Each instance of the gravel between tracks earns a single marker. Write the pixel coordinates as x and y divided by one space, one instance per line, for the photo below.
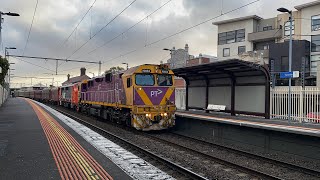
194 161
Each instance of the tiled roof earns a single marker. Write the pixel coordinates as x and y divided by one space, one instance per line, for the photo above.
76 79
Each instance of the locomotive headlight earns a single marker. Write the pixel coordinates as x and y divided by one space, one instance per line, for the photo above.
165 114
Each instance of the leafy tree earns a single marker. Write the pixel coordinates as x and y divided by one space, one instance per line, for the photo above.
114 69
4 64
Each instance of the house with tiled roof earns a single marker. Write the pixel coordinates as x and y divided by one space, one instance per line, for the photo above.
76 79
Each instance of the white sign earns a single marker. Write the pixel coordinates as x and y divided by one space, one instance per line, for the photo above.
155 93
295 74
0 69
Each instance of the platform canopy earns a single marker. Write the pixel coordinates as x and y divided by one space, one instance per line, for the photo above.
242 87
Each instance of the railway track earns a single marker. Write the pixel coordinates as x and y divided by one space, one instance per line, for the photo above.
291 166
184 172
249 172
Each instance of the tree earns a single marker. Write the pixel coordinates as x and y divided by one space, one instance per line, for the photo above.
114 69
4 64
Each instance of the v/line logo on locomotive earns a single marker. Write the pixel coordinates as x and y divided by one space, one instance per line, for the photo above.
142 97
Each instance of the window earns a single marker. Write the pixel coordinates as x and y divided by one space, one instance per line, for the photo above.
231 38
128 82
164 80
144 80
222 38
240 35
226 52
315 23
267 28
108 77
315 43
284 63
99 79
287 28
241 49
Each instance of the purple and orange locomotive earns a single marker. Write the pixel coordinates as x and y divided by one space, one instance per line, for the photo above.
142 97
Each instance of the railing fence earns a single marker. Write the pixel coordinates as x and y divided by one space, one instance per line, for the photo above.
305 105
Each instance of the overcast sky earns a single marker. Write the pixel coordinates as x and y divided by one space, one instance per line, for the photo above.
55 20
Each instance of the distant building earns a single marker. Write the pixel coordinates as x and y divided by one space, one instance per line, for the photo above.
38 86
76 79
178 57
249 38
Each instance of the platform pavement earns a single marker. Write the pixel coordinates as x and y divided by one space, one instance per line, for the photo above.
24 148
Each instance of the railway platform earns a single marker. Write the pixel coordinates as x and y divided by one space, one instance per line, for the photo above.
37 142
297 141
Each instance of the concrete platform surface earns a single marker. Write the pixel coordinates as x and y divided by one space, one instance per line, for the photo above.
33 145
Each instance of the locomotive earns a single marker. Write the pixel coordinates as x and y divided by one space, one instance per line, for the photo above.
142 97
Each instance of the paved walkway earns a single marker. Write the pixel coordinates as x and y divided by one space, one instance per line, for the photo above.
34 145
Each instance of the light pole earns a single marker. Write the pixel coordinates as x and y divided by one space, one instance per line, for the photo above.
6 53
284 10
171 57
5 14
127 65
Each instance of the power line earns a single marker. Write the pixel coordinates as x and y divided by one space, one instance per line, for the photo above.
63 42
181 31
120 34
34 64
101 29
34 13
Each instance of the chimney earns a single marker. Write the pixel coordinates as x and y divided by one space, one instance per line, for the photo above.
82 71
200 58
68 77
186 47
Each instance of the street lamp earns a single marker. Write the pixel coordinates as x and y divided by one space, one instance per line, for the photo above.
5 14
284 10
171 57
127 65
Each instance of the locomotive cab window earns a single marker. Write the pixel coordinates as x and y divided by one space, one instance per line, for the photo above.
108 77
128 82
144 79
164 80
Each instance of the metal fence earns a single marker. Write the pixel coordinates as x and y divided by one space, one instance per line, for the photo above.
305 105
3 95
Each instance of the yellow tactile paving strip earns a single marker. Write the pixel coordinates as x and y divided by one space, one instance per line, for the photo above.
72 160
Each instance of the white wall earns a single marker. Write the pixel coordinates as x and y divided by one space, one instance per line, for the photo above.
248 25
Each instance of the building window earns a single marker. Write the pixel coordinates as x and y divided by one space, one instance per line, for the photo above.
315 23
226 52
241 34
231 37
267 28
315 43
241 49
222 38
284 63
287 28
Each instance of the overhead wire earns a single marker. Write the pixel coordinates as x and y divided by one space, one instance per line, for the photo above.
181 31
101 29
63 42
167 37
66 40
34 64
125 31
34 13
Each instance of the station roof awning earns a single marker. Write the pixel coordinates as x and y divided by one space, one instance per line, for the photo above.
234 67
